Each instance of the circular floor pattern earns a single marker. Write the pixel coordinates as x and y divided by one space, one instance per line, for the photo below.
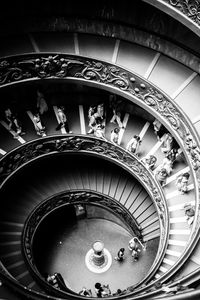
93 267
66 254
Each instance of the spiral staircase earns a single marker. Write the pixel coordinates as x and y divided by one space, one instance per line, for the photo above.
81 64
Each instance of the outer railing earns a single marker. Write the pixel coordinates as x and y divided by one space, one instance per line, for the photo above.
186 11
93 72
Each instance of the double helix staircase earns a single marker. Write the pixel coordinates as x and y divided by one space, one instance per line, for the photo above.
176 80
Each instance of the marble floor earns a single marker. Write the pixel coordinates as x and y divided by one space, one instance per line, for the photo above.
65 253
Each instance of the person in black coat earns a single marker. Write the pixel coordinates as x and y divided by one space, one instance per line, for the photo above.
98 289
120 254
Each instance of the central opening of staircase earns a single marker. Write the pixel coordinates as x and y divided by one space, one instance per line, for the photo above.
81 240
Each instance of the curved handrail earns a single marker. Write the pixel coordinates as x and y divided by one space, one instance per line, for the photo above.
131 86
49 205
185 11
114 78
32 150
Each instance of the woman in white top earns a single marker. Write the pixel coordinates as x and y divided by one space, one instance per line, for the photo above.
182 182
167 144
114 137
149 161
40 129
167 164
99 131
62 119
133 144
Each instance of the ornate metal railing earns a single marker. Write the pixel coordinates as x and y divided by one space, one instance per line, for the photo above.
71 197
187 11
77 197
87 145
50 145
113 78
105 75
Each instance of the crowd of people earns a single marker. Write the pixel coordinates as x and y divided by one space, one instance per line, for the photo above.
37 113
97 125
171 150
134 246
101 291
97 120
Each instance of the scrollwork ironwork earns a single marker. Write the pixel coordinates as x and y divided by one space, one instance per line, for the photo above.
155 99
41 67
63 66
67 198
190 8
51 145
66 66
87 145
78 197
194 151
103 73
